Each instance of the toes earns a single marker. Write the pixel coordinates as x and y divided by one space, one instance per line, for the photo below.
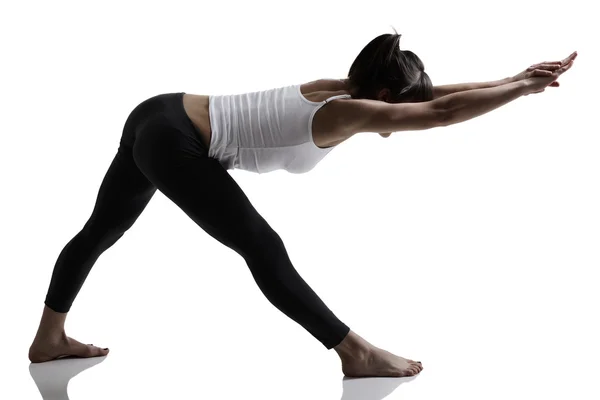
410 371
98 352
414 369
83 350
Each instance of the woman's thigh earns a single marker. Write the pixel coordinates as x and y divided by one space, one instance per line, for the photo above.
199 185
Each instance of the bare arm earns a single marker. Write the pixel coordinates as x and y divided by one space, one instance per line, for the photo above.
444 90
462 106
376 116
452 103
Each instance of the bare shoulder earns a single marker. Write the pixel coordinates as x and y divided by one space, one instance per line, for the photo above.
324 85
342 118
347 117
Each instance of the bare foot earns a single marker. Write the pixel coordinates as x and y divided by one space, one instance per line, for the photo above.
42 351
378 362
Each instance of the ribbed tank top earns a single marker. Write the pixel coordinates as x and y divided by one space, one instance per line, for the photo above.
266 130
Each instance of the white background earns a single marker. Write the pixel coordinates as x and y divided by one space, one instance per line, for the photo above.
473 248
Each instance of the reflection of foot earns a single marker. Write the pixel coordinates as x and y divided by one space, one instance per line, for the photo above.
378 362
52 378
371 388
42 351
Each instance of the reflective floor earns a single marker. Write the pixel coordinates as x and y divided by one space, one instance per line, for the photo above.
187 321
53 378
456 366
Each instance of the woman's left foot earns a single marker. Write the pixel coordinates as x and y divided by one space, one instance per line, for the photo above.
42 351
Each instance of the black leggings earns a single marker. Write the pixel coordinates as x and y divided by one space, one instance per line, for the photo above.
160 148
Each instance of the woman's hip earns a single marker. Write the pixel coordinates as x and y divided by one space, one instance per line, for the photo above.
163 111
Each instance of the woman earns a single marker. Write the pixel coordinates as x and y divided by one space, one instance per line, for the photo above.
183 144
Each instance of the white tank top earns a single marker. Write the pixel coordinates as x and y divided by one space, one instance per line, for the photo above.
266 130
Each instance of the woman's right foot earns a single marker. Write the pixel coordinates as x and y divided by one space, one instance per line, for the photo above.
361 359
378 362
47 350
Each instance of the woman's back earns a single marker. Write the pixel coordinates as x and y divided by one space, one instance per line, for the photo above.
280 128
196 106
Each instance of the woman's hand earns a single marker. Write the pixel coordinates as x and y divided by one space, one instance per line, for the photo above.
545 68
538 82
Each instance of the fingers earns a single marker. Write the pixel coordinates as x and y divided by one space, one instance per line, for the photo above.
565 67
542 72
553 65
546 65
569 58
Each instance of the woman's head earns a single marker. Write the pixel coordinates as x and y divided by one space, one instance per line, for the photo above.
382 71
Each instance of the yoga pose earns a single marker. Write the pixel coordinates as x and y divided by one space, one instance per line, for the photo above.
183 145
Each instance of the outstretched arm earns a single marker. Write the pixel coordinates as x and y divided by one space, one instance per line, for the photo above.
444 90
363 115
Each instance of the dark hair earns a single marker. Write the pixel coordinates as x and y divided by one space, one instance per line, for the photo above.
382 65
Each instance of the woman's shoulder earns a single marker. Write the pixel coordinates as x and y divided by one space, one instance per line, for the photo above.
324 85
323 89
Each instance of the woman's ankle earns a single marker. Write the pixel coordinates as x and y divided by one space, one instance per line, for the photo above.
352 347
52 325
